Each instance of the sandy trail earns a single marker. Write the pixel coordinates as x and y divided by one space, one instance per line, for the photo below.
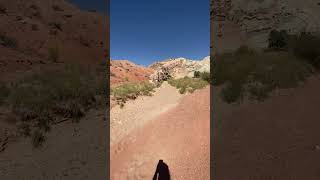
136 113
180 136
71 152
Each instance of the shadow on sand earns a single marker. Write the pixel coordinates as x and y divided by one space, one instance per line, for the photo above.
162 171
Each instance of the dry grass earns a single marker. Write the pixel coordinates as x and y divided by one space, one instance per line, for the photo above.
131 90
246 73
41 99
188 84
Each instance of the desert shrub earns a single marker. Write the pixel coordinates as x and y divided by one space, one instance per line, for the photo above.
131 90
259 91
233 67
278 39
203 75
232 92
4 93
307 46
256 74
7 41
188 84
196 74
304 45
43 97
280 70
53 54
73 110
37 138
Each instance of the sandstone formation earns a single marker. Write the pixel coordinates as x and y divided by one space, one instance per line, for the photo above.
238 22
126 71
178 68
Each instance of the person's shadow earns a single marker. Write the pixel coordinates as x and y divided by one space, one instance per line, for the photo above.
162 171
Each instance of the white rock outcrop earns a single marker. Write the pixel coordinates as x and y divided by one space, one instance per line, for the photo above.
248 22
178 68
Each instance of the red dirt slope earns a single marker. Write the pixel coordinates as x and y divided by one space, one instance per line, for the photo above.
180 136
124 70
30 28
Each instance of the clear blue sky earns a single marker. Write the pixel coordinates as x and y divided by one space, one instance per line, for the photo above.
144 31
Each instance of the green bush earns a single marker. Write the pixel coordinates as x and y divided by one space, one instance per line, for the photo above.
232 93
278 39
42 97
256 74
304 45
131 90
7 41
203 75
234 67
188 84
196 74
307 46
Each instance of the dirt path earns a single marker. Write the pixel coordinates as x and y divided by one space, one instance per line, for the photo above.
136 113
180 136
71 152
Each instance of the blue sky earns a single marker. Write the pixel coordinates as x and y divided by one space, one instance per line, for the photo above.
144 31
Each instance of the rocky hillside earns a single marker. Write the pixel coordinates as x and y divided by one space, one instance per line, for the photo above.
237 22
178 68
124 70
48 32
39 39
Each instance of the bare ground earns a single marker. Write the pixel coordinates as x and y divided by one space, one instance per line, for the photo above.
136 113
179 136
275 139
167 126
71 152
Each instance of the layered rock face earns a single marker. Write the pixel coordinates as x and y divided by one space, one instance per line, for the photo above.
123 70
239 22
178 68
